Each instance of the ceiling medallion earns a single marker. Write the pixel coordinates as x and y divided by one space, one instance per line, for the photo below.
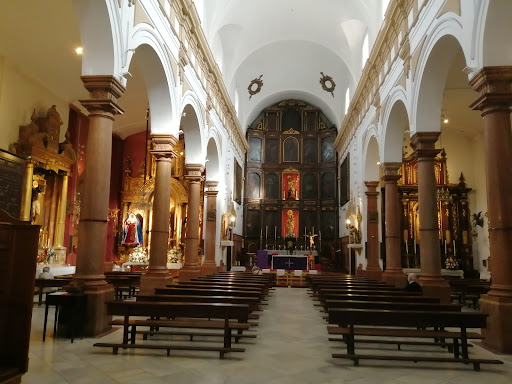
328 83
255 86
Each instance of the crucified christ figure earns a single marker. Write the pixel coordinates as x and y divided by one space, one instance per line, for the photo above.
311 240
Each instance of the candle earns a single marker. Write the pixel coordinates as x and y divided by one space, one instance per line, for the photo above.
275 233
406 248
304 231
319 235
445 248
454 252
414 245
266 231
313 231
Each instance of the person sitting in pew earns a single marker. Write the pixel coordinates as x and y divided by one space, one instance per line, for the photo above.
412 283
45 274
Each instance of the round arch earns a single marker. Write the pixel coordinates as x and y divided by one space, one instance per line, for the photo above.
495 24
192 123
371 155
212 160
100 35
431 74
396 123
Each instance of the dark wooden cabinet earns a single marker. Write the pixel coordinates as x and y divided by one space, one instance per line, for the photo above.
18 251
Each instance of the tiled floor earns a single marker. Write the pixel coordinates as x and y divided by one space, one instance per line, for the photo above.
291 347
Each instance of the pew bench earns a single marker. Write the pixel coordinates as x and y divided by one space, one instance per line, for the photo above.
352 318
196 314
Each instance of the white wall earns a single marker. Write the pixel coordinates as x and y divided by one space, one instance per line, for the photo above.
19 96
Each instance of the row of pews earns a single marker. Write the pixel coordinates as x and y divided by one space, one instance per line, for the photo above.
224 307
373 312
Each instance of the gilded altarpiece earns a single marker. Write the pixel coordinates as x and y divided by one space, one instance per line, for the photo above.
137 204
453 215
290 179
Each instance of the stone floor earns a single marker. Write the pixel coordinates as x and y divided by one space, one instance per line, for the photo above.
291 347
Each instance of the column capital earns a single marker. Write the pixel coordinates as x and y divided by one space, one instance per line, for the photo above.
372 188
391 172
103 94
493 86
194 172
212 185
163 146
424 144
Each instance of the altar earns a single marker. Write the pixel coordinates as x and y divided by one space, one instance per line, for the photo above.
290 262
281 259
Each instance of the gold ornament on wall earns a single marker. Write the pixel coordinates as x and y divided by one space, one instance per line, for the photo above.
255 86
328 83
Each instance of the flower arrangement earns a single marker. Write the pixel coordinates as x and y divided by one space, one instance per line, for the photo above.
451 263
47 256
173 255
139 255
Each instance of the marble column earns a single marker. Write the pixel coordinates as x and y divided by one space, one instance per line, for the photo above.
210 234
393 273
60 225
424 145
158 275
495 100
92 229
26 191
191 269
373 270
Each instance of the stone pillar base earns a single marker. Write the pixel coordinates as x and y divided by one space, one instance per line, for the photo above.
436 287
189 273
209 269
395 277
498 334
149 282
96 318
374 273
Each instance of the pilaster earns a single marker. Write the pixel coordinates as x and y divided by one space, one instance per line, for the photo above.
373 270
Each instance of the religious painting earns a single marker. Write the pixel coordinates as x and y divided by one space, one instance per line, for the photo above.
271 151
290 223
327 224
271 186
345 181
237 187
309 186
328 185
290 185
292 119
328 149
253 185
252 227
291 149
255 149
310 151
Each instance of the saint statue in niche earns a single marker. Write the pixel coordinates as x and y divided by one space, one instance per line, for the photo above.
290 224
132 230
292 191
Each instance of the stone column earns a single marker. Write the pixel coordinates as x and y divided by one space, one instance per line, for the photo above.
373 270
60 224
194 176
53 212
431 280
92 229
495 100
26 191
210 235
158 275
393 273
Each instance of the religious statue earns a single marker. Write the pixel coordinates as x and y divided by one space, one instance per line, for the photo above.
290 224
132 231
354 236
291 188
311 238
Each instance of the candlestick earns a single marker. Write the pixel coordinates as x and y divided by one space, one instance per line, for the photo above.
319 235
414 245
313 231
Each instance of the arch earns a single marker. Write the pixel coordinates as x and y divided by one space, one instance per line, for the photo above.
371 155
159 78
431 74
396 122
213 161
192 123
100 35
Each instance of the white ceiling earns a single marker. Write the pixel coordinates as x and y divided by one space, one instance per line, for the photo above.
289 42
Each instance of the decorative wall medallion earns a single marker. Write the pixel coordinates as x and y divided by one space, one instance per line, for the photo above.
328 83
255 86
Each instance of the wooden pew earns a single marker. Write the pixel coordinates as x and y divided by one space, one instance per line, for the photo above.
352 318
395 299
177 290
156 310
234 284
57 282
210 287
